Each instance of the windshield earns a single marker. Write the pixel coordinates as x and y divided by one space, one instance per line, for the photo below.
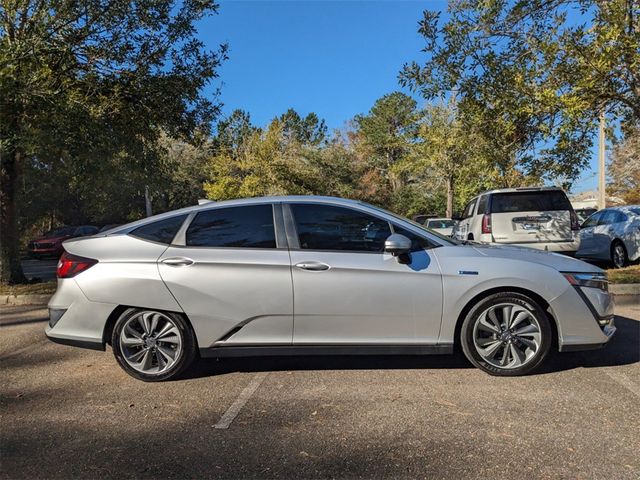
446 240
443 223
60 232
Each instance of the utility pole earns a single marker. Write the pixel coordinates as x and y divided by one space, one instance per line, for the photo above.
147 201
601 166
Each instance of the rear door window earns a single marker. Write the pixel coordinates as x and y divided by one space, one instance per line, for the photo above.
161 231
540 201
482 205
468 210
248 226
327 227
592 221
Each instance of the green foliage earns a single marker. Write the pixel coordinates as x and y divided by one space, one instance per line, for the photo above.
86 88
537 73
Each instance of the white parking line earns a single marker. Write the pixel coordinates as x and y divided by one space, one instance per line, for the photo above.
625 381
233 411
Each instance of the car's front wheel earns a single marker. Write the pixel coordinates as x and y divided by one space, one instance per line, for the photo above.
506 334
151 345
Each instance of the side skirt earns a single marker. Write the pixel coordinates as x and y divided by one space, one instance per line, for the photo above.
292 350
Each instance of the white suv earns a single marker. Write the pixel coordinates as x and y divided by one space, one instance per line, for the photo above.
539 217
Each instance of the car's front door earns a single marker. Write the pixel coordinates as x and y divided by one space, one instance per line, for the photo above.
231 277
347 290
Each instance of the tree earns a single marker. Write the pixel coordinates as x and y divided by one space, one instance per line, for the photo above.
309 130
106 74
624 168
387 133
538 72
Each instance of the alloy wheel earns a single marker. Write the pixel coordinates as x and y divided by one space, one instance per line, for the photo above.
507 335
151 342
619 255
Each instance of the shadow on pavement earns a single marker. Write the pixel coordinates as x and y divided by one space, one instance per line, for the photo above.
624 349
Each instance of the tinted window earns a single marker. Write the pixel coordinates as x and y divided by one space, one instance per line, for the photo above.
417 242
468 210
161 231
635 211
620 217
482 205
239 227
529 201
592 221
607 217
324 227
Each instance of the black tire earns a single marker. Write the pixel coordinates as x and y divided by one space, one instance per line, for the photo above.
185 356
518 300
619 257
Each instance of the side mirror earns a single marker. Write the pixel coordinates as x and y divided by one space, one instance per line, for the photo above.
399 246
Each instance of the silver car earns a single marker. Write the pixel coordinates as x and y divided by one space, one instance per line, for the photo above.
317 275
612 235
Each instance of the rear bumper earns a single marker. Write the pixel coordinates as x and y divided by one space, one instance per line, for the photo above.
568 248
74 319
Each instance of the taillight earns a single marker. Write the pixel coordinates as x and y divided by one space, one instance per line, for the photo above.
486 223
575 221
71 265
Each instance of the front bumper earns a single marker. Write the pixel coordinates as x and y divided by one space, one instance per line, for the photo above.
585 318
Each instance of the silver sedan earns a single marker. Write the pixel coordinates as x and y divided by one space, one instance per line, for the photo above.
317 275
612 234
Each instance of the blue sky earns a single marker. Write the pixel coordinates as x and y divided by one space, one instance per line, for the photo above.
332 57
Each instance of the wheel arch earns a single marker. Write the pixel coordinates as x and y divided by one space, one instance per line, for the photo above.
506 289
120 309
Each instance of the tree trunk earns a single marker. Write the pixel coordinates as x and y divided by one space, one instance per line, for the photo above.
449 213
10 265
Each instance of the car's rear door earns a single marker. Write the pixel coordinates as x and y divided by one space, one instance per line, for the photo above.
231 276
587 243
531 217
348 291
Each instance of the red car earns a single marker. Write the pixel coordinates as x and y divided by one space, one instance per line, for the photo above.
50 244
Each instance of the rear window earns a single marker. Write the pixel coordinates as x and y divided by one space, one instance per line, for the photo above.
529 202
161 231
441 223
234 227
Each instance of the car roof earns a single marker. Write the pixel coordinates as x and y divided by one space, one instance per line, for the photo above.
203 206
522 189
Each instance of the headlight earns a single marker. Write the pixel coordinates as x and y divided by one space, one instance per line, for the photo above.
592 280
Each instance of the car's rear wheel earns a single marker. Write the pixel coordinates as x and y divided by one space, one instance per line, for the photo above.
619 254
151 345
506 334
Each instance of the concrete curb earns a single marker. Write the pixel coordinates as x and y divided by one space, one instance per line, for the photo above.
625 288
40 299
625 294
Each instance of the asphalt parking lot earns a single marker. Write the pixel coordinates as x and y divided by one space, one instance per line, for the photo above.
71 413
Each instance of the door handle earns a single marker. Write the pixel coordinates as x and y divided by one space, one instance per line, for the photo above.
178 261
313 266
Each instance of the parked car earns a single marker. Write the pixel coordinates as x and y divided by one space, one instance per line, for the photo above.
443 226
612 234
50 244
422 219
539 217
317 275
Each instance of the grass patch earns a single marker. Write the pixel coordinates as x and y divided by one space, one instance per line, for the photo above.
625 275
44 288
